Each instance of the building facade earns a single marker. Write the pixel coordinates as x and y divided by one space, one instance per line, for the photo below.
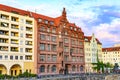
111 55
60 46
16 41
92 46
39 44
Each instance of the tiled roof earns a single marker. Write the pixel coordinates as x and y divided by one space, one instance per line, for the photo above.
89 38
111 49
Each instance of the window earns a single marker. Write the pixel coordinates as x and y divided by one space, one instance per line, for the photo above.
11 57
21 28
81 50
54 38
39 20
42 57
48 68
21 42
51 23
48 37
54 68
6 57
0 57
53 47
42 28
48 58
42 46
21 57
66 58
46 21
48 47
21 34
66 49
66 40
48 29
21 49
22 20
16 57
42 36
54 30
54 58
73 68
42 68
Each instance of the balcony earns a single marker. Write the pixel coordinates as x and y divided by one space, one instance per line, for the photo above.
15 19
28 42
29 29
13 26
28 22
14 49
15 34
3 32
14 41
4 24
3 40
29 36
28 57
3 48
28 50
5 17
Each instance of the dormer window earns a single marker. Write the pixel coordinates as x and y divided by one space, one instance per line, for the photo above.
86 39
51 23
39 20
75 29
46 21
71 27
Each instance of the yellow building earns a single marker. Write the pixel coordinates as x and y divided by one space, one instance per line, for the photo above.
111 55
16 41
92 46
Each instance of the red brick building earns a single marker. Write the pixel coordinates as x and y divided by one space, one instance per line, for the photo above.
60 46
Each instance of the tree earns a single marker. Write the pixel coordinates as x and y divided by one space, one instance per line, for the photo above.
99 65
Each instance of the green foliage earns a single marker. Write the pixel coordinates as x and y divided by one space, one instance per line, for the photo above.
26 74
100 65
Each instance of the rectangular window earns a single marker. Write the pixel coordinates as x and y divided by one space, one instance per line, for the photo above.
48 37
53 38
21 35
66 49
48 47
0 57
6 57
16 57
48 58
54 58
11 57
21 49
53 47
54 30
21 57
42 57
42 36
66 40
42 46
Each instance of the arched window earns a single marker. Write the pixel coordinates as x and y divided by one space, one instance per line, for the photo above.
42 68
81 68
54 68
48 68
73 68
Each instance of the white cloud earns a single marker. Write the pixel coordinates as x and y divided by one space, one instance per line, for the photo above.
108 32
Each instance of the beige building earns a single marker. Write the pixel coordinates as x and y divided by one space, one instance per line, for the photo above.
111 55
92 46
16 42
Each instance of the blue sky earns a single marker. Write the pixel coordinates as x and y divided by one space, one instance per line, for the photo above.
101 17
